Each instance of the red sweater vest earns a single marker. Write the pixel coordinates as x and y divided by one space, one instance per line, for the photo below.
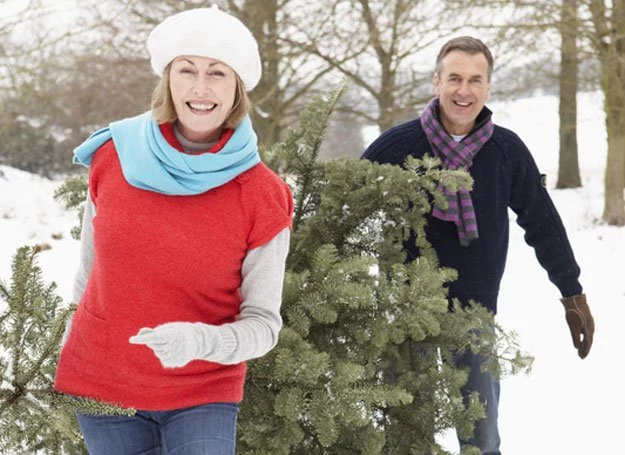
159 259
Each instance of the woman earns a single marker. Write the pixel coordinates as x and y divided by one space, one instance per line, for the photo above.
183 248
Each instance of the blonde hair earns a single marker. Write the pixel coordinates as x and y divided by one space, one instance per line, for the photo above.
163 109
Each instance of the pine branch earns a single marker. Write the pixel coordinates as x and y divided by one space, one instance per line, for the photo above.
72 195
301 149
51 345
33 416
89 406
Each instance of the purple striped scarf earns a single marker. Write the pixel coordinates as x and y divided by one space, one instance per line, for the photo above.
455 155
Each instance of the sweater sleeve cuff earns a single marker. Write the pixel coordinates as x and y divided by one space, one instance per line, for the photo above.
228 344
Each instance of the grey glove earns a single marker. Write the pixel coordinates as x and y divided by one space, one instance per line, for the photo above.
178 343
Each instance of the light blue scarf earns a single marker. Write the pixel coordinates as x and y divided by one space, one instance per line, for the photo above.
150 163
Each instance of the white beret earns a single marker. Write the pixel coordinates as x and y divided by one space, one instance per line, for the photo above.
206 32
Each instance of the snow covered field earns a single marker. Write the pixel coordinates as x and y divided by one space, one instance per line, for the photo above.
566 405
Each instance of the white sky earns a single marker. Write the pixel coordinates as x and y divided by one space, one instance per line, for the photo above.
566 405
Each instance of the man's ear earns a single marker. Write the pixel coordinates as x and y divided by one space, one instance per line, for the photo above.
437 84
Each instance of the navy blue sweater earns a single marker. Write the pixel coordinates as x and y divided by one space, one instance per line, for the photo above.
505 176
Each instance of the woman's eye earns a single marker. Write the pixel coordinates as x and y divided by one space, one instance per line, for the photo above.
216 74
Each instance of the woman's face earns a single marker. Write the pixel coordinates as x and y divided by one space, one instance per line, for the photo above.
203 91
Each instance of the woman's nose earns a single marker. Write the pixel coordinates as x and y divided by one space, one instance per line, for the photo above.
201 88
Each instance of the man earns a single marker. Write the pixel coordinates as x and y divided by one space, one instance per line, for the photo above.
471 234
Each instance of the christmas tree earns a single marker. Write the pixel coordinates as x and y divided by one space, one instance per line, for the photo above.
33 417
363 361
31 325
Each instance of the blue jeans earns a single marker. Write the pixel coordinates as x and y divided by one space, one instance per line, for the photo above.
486 435
201 430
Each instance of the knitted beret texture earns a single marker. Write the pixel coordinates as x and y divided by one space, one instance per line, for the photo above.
206 32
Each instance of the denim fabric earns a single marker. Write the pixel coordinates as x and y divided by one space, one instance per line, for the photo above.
201 430
486 435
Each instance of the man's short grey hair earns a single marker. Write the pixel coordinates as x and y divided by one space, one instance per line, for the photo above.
467 44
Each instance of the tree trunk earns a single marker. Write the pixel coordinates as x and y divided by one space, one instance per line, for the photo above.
261 18
614 208
568 169
613 81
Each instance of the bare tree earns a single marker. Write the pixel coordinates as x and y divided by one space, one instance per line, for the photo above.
31 36
380 46
608 38
99 71
77 78
568 166
290 75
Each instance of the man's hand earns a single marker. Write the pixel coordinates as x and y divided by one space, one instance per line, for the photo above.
580 321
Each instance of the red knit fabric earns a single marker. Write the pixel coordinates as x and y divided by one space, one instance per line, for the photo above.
159 259
167 130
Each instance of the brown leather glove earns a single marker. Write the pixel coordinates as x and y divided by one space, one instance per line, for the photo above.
580 322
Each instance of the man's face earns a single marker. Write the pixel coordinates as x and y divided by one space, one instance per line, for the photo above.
463 88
